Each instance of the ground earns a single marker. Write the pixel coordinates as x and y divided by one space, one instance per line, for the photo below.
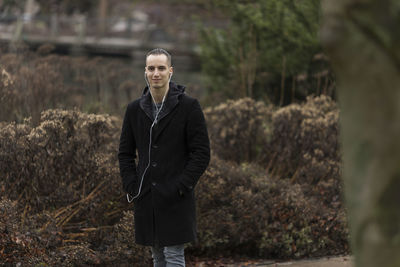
336 261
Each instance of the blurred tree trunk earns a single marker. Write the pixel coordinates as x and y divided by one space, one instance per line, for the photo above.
362 38
102 19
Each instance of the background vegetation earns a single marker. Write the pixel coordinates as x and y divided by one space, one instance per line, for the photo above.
77 216
269 50
273 187
35 81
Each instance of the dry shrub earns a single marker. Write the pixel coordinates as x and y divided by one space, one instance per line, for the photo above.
9 98
45 49
244 212
36 240
40 81
239 129
299 141
35 86
26 239
121 247
304 143
68 161
64 175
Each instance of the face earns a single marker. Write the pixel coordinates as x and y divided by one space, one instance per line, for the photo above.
157 71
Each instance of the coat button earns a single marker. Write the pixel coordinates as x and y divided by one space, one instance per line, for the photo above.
155 146
154 164
154 183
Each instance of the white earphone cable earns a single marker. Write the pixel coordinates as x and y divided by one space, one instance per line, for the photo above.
151 133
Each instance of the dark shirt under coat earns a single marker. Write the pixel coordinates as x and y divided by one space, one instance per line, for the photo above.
180 153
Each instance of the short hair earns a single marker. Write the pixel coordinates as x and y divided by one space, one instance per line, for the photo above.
160 51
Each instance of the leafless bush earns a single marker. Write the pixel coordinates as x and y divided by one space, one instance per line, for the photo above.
239 129
63 173
276 217
25 239
33 240
33 82
244 211
299 141
68 161
121 246
304 144
33 87
45 49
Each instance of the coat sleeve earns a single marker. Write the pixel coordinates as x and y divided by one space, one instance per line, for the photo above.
127 155
199 149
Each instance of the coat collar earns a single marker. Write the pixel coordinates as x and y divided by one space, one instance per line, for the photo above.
171 100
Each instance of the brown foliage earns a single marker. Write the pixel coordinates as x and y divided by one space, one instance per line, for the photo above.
66 169
23 239
60 161
299 141
121 249
32 86
63 172
33 82
239 129
244 211
37 240
304 143
277 217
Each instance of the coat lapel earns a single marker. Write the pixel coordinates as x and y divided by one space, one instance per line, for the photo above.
146 104
163 122
167 112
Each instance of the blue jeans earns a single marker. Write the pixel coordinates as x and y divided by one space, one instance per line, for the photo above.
172 256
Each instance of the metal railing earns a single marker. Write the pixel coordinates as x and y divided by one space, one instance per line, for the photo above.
113 33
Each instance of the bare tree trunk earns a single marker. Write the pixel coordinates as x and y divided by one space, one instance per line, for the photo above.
362 38
102 19
283 76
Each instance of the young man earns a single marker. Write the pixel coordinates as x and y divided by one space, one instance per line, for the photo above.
168 130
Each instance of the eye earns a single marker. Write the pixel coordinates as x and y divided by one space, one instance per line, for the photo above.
162 68
150 68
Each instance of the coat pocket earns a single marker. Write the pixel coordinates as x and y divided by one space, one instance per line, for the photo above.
169 192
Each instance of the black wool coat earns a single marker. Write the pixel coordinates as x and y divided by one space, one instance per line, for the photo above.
164 211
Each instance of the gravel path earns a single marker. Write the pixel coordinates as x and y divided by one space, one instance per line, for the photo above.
345 261
336 261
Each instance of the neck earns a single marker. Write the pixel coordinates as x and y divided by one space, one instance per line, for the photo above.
159 93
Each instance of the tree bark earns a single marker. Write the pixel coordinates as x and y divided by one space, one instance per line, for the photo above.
362 39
